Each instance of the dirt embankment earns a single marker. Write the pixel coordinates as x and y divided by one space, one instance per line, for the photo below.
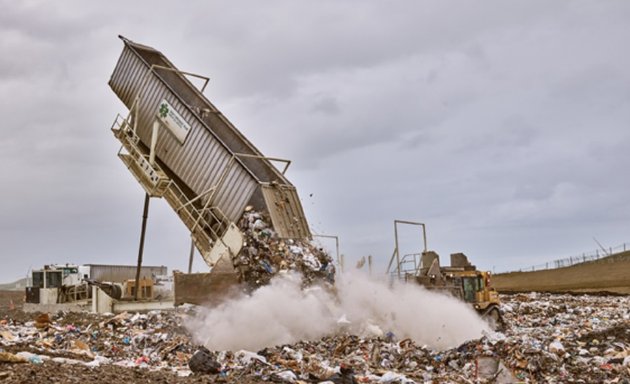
11 300
610 274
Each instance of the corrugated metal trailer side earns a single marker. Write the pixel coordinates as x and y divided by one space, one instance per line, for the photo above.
201 160
211 154
121 273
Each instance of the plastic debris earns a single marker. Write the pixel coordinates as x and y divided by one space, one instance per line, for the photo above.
204 362
556 347
392 377
287 376
36 360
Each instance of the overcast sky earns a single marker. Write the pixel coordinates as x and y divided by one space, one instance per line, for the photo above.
504 126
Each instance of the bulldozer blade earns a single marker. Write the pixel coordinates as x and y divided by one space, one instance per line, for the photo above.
207 289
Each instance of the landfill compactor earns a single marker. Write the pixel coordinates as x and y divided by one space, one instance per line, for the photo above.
179 146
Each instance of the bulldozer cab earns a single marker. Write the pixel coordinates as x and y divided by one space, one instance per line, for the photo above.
470 287
475 288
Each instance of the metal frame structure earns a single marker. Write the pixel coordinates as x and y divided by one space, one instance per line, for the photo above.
396 253
157 184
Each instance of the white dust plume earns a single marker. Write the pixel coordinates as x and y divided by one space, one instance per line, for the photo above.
282 313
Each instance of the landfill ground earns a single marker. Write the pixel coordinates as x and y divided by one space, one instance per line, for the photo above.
549 338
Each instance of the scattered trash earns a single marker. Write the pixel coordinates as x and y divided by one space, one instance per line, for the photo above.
287 376
7 357
142 360
392 377
556 347
7 335
42 321
204 362
345 376
264 255
549 338
36 360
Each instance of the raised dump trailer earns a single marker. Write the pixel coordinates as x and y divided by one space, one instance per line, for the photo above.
179 146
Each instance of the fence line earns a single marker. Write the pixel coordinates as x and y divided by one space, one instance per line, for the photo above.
569 261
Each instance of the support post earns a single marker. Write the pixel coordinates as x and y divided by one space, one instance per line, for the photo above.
396 249
192 253
145 214
154 137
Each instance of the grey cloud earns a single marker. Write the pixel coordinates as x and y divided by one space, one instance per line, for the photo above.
502 125
327 105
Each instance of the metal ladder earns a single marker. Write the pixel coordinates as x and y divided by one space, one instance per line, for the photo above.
214 235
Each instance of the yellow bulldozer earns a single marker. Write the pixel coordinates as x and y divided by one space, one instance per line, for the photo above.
461 279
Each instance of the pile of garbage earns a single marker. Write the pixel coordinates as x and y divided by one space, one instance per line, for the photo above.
549 338
566 338
154 340
264 254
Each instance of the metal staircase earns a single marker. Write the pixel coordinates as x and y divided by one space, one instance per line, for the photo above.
214 235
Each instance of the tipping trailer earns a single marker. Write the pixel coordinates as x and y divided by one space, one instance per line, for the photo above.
180 147
461 279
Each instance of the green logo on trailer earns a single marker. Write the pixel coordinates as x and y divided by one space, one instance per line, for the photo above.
163 110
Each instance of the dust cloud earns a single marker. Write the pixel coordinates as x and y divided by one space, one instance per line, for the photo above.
282 313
